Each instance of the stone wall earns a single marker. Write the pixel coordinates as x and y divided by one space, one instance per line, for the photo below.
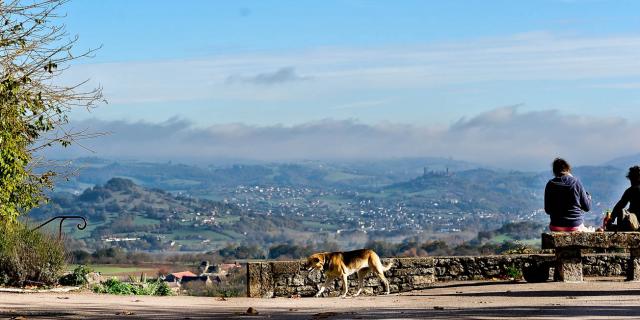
605 265
288 278
463 268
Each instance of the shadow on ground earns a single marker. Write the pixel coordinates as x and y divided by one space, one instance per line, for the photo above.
546 294
527 312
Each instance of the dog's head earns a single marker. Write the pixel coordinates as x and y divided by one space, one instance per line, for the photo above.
315 261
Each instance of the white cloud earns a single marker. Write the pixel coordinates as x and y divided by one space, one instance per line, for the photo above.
280 76
503 137
531 56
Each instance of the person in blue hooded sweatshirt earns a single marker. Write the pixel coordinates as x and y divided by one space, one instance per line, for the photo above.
565 199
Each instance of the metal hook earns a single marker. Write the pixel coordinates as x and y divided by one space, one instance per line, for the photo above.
80 226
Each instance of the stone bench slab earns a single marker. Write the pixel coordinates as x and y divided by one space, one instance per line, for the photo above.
568 246
590 240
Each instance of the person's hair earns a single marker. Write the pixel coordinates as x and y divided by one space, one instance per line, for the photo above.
560 166
634 175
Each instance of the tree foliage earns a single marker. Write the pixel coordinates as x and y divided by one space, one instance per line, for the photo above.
34 103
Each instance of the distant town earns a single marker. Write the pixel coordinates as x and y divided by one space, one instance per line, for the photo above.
172 207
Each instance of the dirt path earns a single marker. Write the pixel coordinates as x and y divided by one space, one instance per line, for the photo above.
460 300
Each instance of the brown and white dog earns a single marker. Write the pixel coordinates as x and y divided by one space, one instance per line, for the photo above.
343 264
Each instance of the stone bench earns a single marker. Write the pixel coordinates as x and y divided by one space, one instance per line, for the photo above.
568 247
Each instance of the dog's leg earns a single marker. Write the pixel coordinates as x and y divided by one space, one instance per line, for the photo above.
361 275
385 282
324 286
379 269
345 285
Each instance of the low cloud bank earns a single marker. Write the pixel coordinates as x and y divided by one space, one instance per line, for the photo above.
503 137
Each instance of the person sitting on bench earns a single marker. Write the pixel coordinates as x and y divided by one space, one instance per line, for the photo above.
565 199
627 219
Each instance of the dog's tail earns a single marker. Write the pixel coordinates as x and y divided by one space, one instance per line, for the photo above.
388 266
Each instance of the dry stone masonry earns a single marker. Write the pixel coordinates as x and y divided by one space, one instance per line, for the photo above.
569 246
288 278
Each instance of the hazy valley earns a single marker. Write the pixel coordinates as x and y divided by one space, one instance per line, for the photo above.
162 207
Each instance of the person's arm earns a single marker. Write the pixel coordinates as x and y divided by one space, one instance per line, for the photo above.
547 199
585 198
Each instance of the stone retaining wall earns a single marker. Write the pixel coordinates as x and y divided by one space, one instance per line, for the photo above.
605 265
462 268
288 278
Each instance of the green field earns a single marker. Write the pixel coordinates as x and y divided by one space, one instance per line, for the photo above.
114 270
206 234
227 219
139 220
337 176
501 238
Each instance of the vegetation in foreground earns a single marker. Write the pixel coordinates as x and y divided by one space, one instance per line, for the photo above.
35 49
29 257
144 288
78 277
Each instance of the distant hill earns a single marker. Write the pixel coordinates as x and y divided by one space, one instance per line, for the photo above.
203 181
507 191
475 190
605 183
155 220
122 209
181 207
400 178
624 162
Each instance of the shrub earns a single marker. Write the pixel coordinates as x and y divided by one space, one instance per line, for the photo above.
113 286
76 278
29 257
150 288
163 289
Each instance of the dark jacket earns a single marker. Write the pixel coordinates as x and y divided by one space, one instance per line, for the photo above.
630 196
565 200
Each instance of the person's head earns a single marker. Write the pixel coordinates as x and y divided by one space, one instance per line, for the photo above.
560 167
634 175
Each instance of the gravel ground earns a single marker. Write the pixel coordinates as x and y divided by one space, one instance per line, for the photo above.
451 300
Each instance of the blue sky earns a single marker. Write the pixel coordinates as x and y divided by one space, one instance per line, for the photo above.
143 30
428 64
